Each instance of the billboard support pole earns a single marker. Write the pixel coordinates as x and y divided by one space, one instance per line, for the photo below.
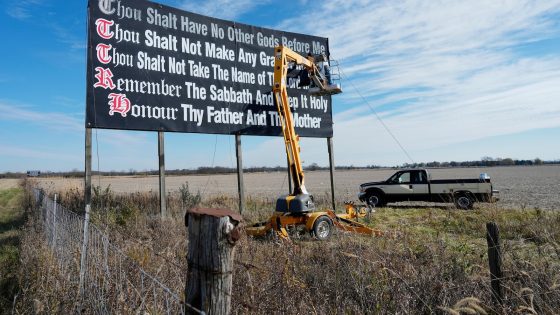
289 176
240 185
331 168
87 175
161 155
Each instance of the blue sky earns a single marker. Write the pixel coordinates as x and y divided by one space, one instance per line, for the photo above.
452 80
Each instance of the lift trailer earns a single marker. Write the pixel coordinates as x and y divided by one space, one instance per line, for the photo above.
297 208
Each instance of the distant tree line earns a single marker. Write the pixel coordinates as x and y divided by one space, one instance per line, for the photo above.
484 162
203 170
207 170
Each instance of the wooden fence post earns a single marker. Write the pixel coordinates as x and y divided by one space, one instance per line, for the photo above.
87 172
212 234
161 156
240 184
494 260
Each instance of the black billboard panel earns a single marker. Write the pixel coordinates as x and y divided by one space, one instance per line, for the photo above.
153 67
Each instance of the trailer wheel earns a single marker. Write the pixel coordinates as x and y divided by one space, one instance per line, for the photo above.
322 228
464 202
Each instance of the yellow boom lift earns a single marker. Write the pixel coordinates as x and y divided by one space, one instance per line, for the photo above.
297 208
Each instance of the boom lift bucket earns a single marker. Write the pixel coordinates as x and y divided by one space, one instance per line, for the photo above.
325 80
329 77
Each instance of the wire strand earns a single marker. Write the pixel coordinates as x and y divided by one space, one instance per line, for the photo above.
343 75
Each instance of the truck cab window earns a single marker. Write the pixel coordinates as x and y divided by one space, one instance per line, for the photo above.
419 177
423 177
404 178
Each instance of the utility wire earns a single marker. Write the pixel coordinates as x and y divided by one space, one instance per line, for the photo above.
343 75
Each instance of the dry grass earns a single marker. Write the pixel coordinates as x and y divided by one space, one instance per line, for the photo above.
434 260
9 183
521 187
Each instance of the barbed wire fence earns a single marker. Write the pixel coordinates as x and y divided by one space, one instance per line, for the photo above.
109 281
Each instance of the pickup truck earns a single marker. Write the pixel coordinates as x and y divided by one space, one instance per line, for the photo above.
417 185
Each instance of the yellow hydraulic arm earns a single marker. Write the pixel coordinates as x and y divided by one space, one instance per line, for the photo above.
284 56
297 208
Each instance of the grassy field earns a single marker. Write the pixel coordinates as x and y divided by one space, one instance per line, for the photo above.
11 222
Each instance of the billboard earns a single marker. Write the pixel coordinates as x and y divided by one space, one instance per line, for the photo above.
156 68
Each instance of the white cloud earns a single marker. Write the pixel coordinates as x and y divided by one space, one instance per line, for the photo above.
67 122
118 149
525 97
224 9
27 153
438 72
21 10
68 37
118 138
52 120
389 28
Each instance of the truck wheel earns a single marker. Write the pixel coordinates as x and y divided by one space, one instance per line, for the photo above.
375 200
463 202
322 228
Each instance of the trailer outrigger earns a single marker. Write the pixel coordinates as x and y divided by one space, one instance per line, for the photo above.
297 208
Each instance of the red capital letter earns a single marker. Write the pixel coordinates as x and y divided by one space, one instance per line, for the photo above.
104 78
103 53
118 103
104 28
